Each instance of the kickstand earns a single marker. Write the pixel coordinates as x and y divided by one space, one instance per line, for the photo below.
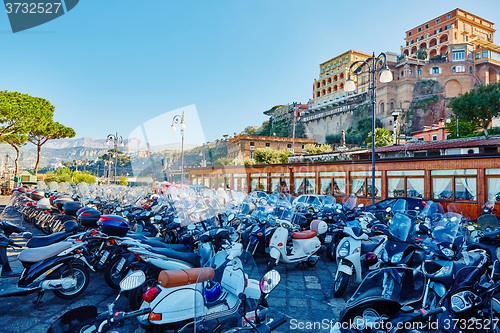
39 298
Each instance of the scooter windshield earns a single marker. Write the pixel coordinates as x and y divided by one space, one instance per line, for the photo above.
400 226
445 229
430 210
351 202
219 291
400 284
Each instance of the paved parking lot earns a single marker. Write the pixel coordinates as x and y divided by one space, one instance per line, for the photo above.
304 297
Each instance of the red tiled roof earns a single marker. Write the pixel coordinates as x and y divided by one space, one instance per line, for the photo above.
455 143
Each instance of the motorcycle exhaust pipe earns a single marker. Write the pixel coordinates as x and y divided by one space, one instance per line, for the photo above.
64 283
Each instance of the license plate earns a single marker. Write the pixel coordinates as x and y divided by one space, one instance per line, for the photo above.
328 238
104 257
120 265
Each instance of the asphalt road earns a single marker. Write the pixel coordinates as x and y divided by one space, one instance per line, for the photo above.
304 297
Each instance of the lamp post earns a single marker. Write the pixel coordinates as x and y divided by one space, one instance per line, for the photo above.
179 119
370 66
117 140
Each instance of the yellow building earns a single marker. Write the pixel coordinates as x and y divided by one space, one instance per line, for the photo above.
329 88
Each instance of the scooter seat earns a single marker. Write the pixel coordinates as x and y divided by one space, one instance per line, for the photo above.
41 253
182 277
189 257
158 242
306 234
48 240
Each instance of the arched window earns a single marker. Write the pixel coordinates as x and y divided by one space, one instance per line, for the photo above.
392 105
341 86
341 76
335 78
329 90
329 80
381 108
317 94
324 82
419 71
335 88
317 84
323 92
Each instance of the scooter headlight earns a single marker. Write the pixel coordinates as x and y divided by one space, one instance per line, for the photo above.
344 249
385 256
397 257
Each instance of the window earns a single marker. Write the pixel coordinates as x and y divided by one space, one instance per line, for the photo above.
419 29
332 183
427 26
268 144
289 145
458 55
401 73
478 55
438 21
252 154
458 69
361 184
405 183
434 138
421 139
470 69
381 107
493 181
252 145
447 27
465 27
407 43
448 16
409 71
409 34
466 38
485 54
435 70
454 184
419 71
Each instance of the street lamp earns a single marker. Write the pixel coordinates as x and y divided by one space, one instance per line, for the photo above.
178 119
370 66
117 140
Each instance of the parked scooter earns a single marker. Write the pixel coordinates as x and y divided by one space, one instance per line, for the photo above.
355 246
304 244
85 319
212 294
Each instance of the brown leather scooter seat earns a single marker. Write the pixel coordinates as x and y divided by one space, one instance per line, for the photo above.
306 234
182 277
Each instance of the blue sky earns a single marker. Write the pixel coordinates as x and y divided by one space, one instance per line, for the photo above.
112 65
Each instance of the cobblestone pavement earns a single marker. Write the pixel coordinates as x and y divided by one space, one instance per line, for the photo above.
304 297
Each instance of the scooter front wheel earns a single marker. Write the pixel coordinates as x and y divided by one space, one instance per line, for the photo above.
340 284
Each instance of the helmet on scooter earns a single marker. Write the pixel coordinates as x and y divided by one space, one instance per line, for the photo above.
71 226
212 292
370 258
319 226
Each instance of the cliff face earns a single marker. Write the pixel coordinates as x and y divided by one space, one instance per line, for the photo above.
428 104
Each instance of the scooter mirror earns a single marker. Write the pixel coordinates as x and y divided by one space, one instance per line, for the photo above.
388 209
118 209
230 217
157 217
132 281
269 281
361 206
125 212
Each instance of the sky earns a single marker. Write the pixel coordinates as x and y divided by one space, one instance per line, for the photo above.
112 65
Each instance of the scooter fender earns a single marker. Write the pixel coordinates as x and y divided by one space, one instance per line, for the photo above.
344 269
438 288
174 304
275 253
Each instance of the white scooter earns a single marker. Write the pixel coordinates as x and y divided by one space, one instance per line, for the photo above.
349 256
304 244
212 292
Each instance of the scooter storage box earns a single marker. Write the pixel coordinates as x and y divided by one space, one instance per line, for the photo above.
59 202
70 208
37 195
88 217
113 225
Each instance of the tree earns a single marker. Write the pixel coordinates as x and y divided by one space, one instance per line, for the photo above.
383 138
16 140
123 181
223 161
478 106
465 129
19 111
46 130
315 149
422 54
271 156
